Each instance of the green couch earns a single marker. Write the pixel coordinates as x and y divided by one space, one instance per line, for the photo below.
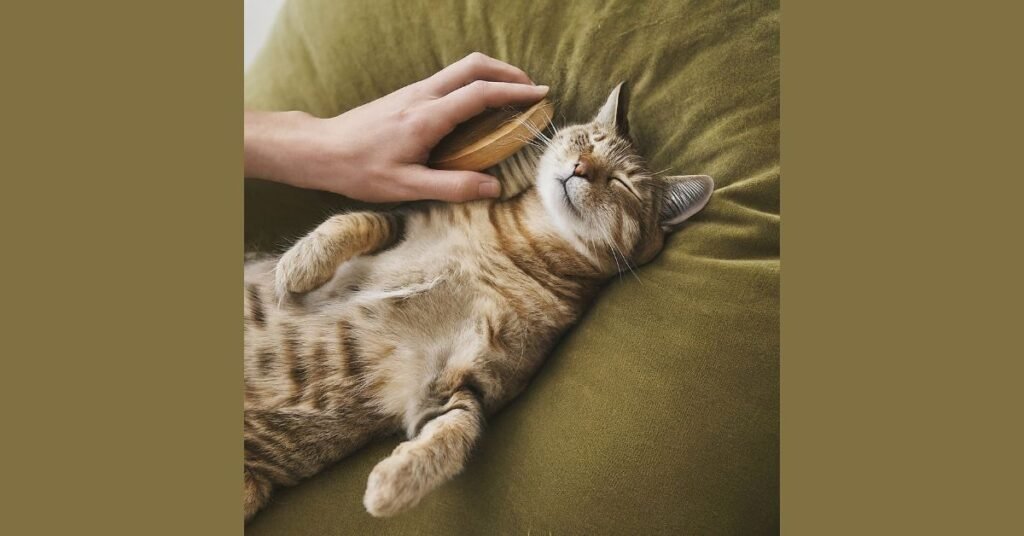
659 413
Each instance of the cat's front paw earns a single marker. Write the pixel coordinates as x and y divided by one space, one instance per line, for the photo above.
304 267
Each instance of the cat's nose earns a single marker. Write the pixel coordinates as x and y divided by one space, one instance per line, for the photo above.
582 169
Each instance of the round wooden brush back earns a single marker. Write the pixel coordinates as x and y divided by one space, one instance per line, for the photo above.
490 137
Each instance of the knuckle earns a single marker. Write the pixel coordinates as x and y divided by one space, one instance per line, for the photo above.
477 58
478 87
459 190
417 90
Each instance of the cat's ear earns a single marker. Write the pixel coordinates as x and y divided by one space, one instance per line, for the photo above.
613 112
685 195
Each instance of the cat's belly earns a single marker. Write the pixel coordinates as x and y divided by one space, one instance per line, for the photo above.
423 310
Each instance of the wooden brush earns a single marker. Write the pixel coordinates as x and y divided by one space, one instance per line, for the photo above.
490 138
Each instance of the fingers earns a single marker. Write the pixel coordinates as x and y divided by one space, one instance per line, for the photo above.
475 66
470 100
454 186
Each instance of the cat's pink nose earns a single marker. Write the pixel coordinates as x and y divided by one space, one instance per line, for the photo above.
582 169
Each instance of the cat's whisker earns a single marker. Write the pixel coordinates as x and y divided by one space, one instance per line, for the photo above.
631 270
539 135
625 260
629 267
530 141
613 247
618 268
536 131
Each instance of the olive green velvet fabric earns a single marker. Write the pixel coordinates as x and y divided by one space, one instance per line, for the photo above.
659 413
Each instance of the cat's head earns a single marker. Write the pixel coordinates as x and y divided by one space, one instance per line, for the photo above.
598 191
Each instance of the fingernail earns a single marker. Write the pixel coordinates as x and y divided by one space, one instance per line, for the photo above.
489 189
543 89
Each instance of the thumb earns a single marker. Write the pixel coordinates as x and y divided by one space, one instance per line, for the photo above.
454 186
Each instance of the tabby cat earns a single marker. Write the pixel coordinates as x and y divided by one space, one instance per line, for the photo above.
425 319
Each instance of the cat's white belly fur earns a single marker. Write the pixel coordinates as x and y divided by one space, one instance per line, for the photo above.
439 328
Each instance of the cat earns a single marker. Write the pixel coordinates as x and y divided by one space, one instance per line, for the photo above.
425 319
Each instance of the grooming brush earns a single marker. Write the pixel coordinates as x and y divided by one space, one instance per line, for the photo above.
498 141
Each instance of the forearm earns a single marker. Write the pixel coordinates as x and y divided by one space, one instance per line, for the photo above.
277 146
378 152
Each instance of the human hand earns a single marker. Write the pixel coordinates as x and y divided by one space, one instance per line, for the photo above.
378 151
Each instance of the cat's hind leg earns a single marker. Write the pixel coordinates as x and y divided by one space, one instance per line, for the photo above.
284 445
438 452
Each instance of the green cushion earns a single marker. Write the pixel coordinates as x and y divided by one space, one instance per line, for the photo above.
658 414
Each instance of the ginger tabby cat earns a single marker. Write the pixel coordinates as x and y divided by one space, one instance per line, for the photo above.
426 319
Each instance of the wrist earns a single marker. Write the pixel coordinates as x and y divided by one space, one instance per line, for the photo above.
273 144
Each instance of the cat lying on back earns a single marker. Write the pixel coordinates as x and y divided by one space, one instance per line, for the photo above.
426 319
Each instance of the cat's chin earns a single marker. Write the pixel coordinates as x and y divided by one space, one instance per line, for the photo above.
565 216
559 206
567 198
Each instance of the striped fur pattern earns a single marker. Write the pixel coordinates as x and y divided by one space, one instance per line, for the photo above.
426 319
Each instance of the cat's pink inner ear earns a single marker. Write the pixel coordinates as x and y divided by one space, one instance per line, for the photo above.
685 196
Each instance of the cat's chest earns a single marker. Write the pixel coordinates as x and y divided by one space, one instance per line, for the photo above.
445 247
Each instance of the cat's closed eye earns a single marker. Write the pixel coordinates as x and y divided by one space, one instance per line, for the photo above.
623 184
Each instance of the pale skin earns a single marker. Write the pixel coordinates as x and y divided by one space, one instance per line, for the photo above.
378 151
